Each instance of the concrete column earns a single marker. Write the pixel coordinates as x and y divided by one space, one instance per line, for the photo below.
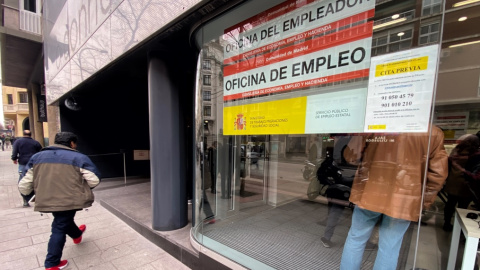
167 157
35 126
53 114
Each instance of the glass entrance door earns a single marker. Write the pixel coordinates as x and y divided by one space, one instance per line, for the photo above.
253 170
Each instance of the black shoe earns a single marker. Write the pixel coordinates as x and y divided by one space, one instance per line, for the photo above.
25 203
447 227
326 243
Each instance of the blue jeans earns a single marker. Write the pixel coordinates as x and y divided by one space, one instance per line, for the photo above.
334 213
391 231
63 224
21 168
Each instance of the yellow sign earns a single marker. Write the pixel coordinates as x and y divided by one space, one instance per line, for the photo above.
404 66
377 127
449 134
274 117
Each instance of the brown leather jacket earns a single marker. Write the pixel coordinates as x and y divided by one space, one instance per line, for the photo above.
390 175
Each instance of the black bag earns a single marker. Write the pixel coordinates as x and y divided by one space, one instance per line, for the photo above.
338 191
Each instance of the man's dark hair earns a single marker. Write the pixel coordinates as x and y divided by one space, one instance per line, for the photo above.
64 138
27 132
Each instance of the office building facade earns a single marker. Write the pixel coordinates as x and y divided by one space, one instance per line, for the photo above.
232 98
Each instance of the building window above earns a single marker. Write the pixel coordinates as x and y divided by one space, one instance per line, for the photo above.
429 33
206 64
207 110
30 5
431 7
207 95
392 41
10 99
207 80
22 97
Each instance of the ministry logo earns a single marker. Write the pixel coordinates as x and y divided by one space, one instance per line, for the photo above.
240 122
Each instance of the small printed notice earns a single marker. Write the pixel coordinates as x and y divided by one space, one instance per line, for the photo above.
141 154
336 112
400 90
453 124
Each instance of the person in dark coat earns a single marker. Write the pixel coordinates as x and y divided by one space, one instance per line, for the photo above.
456 185
2 138
212 161
23 149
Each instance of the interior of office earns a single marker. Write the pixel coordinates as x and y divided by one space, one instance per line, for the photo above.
274 187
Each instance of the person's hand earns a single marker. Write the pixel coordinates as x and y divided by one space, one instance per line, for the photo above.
15 161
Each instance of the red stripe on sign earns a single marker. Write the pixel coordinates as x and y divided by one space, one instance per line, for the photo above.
307 34
329 41
269 15
298 85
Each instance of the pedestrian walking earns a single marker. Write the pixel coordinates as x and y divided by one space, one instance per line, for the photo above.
2 138
23 149
62 179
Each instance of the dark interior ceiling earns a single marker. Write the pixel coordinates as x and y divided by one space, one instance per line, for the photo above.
19 59
455 31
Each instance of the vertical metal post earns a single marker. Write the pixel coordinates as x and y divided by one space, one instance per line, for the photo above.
124 169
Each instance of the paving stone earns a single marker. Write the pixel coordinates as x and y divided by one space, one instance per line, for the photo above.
116 239
41 238
168 262
108 244
23 263
136 260
14 244
116 252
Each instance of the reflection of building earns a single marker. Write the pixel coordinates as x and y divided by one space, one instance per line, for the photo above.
22 63
15 109
135 63
404 25
212 89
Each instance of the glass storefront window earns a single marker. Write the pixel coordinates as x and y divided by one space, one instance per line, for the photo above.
332 130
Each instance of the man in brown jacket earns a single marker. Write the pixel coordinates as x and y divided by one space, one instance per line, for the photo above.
62 179
389 185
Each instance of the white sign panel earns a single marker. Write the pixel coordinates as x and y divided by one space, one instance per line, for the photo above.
336 112
297 45
400 91
295 19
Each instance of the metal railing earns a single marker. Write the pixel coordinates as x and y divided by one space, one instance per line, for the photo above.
401 17
30 22
378 2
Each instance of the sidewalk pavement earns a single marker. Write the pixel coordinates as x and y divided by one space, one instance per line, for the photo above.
108 242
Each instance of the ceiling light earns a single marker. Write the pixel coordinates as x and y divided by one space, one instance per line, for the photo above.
463 44
461 19
466 2
400 34
396 16
391 22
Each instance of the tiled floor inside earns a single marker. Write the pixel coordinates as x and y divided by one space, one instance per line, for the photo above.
288 237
